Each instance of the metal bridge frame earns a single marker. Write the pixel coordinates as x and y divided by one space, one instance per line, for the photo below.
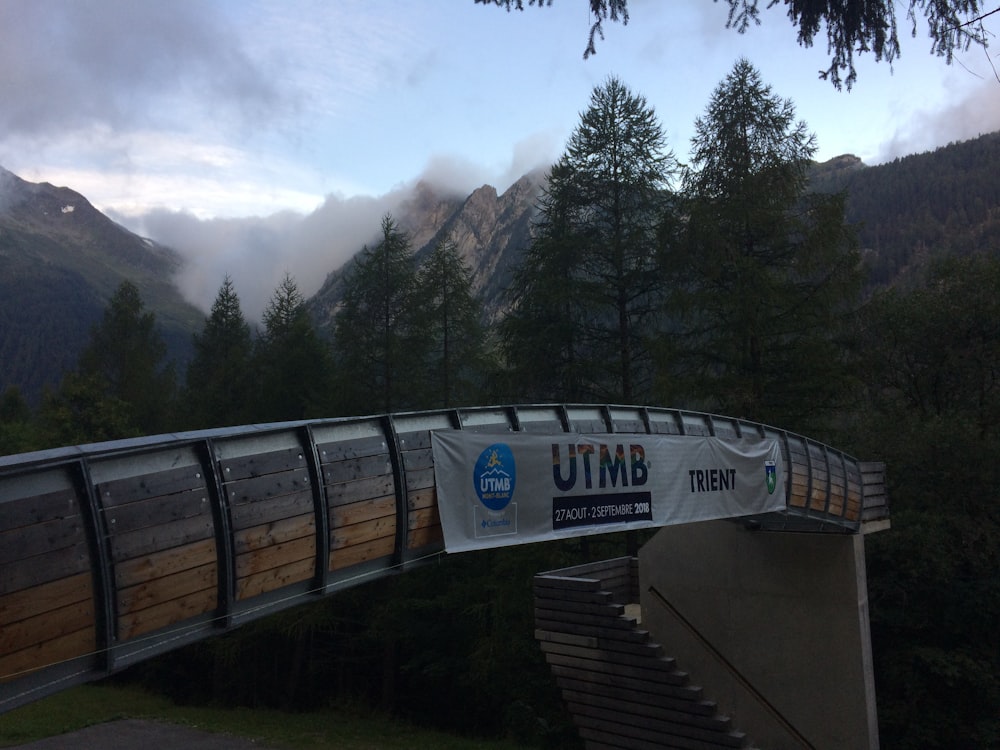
115 552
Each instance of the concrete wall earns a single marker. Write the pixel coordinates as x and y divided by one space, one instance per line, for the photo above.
788 611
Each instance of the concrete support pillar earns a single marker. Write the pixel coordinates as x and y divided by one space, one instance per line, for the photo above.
773 625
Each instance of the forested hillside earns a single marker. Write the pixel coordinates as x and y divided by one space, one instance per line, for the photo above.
60 261
921 207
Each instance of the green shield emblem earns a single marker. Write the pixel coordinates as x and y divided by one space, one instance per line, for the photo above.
771 474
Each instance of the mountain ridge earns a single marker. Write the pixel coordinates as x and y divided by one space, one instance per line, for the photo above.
61 258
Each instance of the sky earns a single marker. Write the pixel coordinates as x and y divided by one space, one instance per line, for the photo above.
264 137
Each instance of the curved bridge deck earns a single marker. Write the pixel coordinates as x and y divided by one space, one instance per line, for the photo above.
112 553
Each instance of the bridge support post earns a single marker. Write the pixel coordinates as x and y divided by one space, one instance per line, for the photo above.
773 624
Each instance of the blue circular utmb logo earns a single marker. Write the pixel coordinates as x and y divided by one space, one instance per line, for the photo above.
494 476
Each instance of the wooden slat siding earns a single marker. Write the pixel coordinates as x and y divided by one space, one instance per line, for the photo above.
361 498
28 511
27 541
262 464
876 500
619 687
164 563
56 623
798 465
21 663
854 483
423 523
361 490
144 487
162 542
817 463
275 578
354 448
703 712
838 486
134 624
155 512
46 585
653 726
272 511
167 588
257 513
373 550
643 648
158 538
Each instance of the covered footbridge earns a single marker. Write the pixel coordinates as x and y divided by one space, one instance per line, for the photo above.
116 552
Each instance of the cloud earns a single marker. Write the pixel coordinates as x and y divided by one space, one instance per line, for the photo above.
975 113
73 63
257 252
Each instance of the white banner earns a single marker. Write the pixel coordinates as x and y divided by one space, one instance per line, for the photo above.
495 490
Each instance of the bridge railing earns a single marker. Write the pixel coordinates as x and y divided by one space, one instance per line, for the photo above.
112 553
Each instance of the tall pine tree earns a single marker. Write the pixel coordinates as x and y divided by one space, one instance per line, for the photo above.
450 324
219 376
587 297
293 365
121 387
375 342
765 272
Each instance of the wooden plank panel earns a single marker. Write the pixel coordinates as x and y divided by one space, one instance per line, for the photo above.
418 459
167 588
419 479
80 643
345 515
45 597
27 541
275 556
362 489
357 468
134 624
703 709
415 440
359 553
424 537
156 511
164 563
360 533
260 464
629 682
145 486
51 566
425 498
419 519
38 508
146 541
266 511
570 609
270 486
276 578
643 660
48 626
258 537
355 448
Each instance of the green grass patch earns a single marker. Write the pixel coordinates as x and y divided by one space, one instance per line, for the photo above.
85 706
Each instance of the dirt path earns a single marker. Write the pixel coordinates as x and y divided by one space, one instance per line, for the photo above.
135 734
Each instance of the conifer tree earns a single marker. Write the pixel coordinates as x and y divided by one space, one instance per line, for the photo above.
586 298
292 364
377 350
219 377
122 387
765 272
450 326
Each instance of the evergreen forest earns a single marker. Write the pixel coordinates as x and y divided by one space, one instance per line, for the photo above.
745 282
